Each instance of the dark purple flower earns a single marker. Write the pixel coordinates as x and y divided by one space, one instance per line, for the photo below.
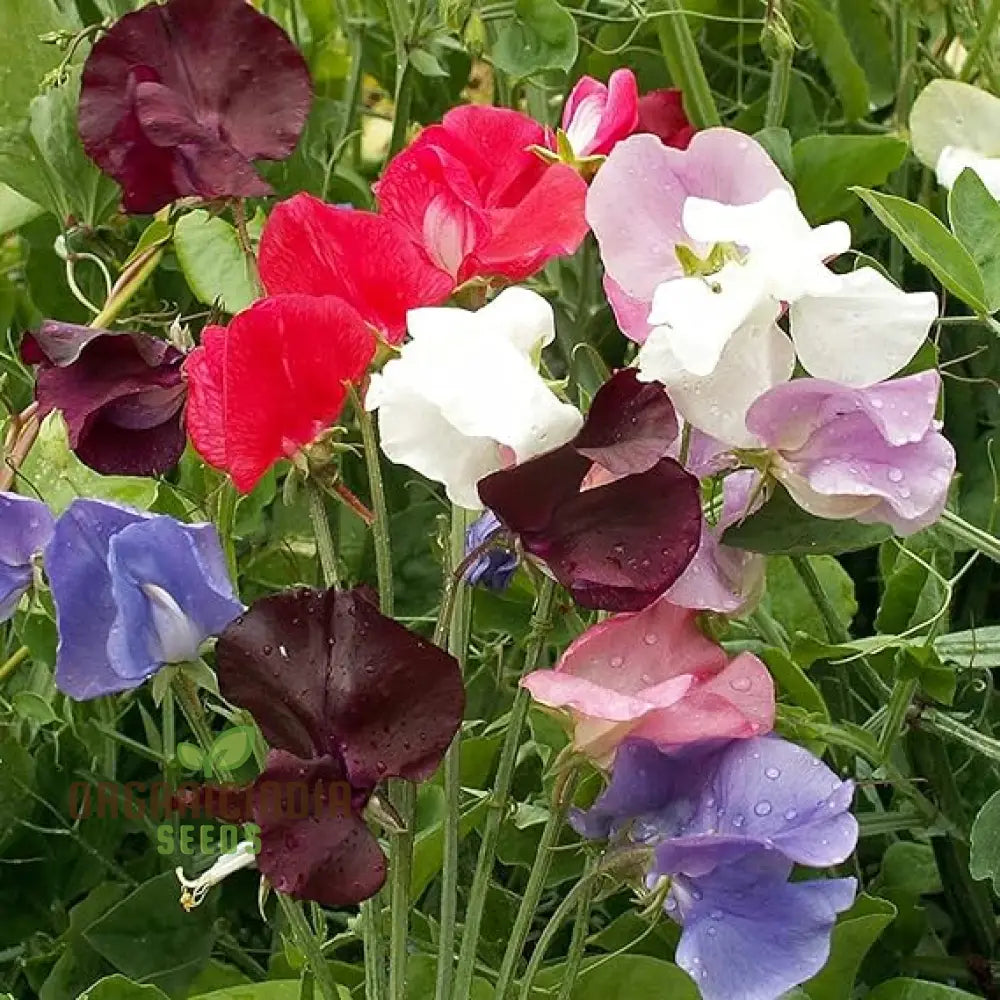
25 529
132 592
726 824
122 395
613 519
179 99
496 565
345 696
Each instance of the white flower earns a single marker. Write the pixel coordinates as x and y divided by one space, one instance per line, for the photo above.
954 126
464 398
856 328
193 891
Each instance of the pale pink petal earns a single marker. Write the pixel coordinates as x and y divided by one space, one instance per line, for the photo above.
557 689
632 315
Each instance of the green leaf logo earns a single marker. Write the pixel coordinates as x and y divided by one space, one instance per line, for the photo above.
231 748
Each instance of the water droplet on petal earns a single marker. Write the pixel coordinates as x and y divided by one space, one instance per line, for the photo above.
740 683
763 808
617 661
716 914
649 639
790 814
895 475
739 819
773 773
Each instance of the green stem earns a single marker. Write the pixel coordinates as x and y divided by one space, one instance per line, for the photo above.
944 725
458 641
899 704
770 631
191 707
13 662
131 280
380 526
106 710
583 889
838 631
562 799
498 800
324 539
680 53
371 935
225 524
577 944
981 43
308 944
405 801
777 92
981 540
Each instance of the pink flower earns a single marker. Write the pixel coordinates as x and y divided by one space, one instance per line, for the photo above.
661 113
652 675
477 202
597 116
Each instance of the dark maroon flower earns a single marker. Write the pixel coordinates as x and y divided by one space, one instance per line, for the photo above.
347 698
614 520
121 394
661 112
179 99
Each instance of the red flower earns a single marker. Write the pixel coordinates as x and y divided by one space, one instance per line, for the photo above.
477 202
661 113
275 378
179 100
311 248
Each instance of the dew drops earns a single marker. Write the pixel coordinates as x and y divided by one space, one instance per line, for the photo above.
712 931
649 639
763 808
670 905
617 661
903 492
267 650
877 403
716 914
895 475
738 820
740 683
790 814
773 773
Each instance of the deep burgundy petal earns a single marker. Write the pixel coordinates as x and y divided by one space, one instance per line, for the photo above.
313 844
661 112
179 98
630 425
121 395
323 672
618 547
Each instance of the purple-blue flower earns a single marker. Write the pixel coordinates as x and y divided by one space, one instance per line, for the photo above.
725 824
495 567
133 592
25 529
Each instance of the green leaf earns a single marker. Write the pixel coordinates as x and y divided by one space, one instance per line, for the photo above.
232 747
119 988
426 63
149 936
33 707
978 647
24 59
974 215
15 210
792 604
189 756
827 166
984 858
213 262
781 527
17 773
930 244
854 934
794 683
834 51
865 28
637 977
777 143
542 36
278 989
44 161
58 477
917 989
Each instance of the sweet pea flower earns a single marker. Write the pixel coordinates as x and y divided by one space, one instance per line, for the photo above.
596 116
875 454
311 248
654 676
346 698
464 397
132 592
477 202
121 394
953 126
26 527
726 825
610 517
705 248
494 567
275 378
179 99
661 113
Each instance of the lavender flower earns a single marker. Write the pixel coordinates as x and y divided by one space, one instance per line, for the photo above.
726 824
495 567
25 529
132 592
